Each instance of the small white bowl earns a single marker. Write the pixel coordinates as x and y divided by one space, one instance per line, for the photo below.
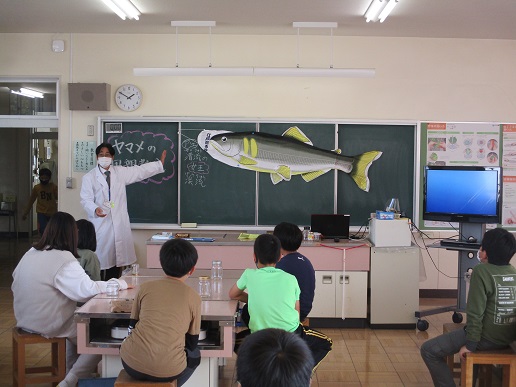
202 334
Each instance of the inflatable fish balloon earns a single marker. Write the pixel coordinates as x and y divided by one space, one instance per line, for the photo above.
283 156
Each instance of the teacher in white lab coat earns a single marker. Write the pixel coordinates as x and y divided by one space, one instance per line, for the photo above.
104 198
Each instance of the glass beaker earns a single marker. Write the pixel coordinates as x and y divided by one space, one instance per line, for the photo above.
393 205
112 289
216 270
204 287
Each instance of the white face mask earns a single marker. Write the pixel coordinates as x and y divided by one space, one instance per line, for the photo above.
105 162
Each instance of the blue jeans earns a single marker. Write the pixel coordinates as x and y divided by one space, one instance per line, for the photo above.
435 351
42 222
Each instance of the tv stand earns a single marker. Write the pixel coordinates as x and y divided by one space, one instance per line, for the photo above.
467 260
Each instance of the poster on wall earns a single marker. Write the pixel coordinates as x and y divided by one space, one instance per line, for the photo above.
85 158
463 144
509 175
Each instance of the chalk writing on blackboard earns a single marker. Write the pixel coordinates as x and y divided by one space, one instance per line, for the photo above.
139 147
194 163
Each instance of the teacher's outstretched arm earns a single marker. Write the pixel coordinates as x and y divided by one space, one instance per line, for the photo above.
163 156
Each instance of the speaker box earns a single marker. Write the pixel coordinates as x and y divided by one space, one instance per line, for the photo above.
89 96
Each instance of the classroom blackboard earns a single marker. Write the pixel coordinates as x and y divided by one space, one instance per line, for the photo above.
391 176
153 200
200 189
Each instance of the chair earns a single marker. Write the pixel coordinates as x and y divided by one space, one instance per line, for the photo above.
505 357
124 380
23 375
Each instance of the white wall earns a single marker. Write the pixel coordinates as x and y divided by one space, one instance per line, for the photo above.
416 79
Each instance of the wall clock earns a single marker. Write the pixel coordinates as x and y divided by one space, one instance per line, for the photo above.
128 97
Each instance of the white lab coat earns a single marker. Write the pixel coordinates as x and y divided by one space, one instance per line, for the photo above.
115 245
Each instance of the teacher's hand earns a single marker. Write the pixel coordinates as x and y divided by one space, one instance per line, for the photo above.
163 156
99 212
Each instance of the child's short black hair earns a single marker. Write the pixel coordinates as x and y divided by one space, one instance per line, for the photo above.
45 172
87 236
274 357
267 249
177 257
499 245
289 235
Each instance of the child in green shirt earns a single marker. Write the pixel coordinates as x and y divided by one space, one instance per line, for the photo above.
273 297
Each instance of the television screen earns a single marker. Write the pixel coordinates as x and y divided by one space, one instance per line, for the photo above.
464 194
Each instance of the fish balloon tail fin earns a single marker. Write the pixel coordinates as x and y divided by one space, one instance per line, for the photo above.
361 168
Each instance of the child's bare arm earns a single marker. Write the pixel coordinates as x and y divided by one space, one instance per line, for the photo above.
236 294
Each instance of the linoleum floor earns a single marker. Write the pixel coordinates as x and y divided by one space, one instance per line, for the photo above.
360 357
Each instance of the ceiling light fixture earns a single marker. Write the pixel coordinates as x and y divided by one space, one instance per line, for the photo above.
123 8
28 93
252 71
379 10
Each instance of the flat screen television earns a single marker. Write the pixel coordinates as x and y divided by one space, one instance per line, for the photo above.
467 194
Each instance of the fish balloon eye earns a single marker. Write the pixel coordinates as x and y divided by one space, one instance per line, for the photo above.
224 139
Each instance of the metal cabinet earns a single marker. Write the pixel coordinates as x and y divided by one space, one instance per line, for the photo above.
394 286
332 287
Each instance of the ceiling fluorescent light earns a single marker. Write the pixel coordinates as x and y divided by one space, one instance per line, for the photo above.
192 23
193 71
28 93
379 10
314 25
256 71
313 72
123 8
387 10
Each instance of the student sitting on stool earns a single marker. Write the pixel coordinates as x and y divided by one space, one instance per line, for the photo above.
491 317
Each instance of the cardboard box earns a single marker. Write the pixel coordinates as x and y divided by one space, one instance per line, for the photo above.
390 233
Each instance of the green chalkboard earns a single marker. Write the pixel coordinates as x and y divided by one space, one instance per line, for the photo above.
295 200
200 189
391 176
153 200
213 192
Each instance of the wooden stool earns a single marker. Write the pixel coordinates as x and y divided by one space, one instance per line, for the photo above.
21 372
506 357
124 380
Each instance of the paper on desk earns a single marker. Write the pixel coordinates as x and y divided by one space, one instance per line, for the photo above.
162 236
247 237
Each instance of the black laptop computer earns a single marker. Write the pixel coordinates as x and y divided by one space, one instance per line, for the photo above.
331 225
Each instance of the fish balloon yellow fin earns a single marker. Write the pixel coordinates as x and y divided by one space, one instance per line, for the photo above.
284 172
296 133
361 167
275 178
308 177
246 161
